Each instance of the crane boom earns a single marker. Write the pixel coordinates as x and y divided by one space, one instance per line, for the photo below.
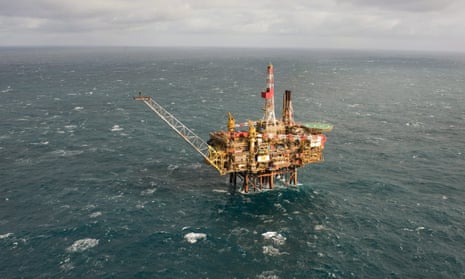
207 152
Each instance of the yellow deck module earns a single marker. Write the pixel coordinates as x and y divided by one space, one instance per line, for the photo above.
256 152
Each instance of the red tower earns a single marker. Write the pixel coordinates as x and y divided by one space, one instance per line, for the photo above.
268 95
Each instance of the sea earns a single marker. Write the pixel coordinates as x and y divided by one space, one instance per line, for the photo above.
94 185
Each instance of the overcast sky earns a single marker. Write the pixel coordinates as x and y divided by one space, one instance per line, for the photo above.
355 24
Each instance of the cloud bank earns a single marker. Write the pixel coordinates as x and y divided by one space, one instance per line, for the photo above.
377 24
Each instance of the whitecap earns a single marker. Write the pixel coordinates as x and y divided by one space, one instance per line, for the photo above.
39 143
271 251
148 192
415 124
194 237
269 235
420 229
172 167
67 153
319 227
82 245
267 275
2 236
95 214
277 238
78 108
8 89
116 128
66 265
219 191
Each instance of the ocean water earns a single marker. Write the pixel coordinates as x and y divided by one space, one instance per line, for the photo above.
94 185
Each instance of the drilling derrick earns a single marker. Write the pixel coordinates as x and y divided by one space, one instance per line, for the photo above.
268 95
256 153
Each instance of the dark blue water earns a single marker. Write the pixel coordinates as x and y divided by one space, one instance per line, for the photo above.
94 185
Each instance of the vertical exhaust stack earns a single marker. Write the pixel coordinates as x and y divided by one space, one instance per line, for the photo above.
268 95
288 111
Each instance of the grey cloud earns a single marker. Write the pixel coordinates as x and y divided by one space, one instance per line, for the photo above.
403 5
104 14
300 23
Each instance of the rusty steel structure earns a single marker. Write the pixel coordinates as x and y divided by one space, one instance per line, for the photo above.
256 152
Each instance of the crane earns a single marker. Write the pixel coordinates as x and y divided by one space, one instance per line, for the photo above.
205 150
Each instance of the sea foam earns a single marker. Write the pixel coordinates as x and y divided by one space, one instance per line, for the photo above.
277 238
272 251
5 235
116 128
82 245
194 237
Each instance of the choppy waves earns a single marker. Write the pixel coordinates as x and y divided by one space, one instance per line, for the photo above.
95 185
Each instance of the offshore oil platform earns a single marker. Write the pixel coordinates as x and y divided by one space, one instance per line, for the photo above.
256 152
